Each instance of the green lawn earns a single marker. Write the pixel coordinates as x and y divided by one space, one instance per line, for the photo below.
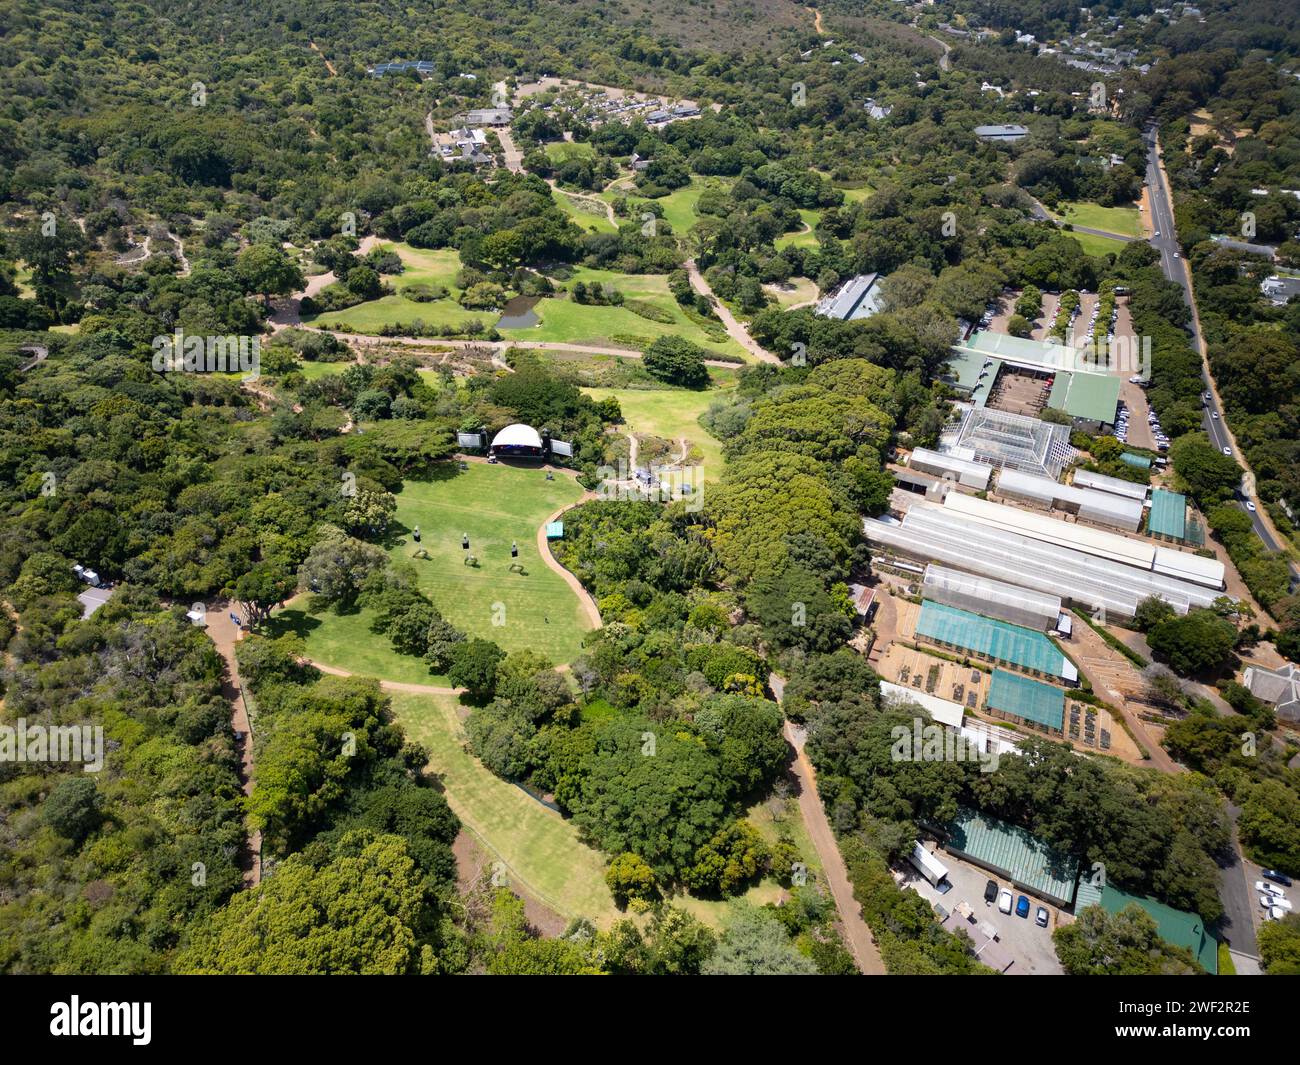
856 195
563 151
346 642
494 505
564 321
585 213
1095 245
541 850
314 371
679 205
801 290
1122 220
432 266
671 413
805 238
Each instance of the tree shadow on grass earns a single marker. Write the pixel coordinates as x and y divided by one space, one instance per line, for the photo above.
295 621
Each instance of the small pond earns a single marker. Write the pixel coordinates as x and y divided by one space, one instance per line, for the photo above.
518 313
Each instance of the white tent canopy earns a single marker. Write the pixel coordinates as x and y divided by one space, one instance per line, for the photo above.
517 435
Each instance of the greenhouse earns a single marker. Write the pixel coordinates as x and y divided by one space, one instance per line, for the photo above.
1102 508
1011 441
1028 701
995 640
995 599
951 467
1114 485
935 534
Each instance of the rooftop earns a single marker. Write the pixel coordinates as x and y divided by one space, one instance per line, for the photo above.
1026 859
999 640
1177 927
1090 396
1168 515
857 298
1028 699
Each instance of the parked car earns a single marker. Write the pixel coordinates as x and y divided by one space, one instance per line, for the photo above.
1275 913
1022 906
990 891
1276 877
1004 901
1040 917
1262 886
1275 902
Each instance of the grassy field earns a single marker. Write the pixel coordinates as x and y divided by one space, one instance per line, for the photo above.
1122 220
804 239
564 321
1095 245
679 205
671 413
585 213
346 642
431 266
541 850
563 151
801 290
494 505
856 195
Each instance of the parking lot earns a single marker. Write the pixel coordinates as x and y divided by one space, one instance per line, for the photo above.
1030 945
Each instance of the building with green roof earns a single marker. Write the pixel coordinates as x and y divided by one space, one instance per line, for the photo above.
1168 516
1028 701
1086 397
992 639
1141 462
1176 927
1015 854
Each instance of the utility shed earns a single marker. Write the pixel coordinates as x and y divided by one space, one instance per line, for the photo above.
1176 927
1168 518
1029 701
1024 859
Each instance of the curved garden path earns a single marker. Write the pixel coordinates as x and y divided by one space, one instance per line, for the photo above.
544 550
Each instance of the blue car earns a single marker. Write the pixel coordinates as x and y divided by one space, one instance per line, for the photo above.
1022 907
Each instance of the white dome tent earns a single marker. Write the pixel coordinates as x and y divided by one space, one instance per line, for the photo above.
518 440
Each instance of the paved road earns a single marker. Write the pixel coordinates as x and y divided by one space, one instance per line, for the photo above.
1237 893
1175 269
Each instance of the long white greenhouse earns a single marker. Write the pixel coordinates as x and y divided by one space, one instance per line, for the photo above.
937 534
1103 508
994 599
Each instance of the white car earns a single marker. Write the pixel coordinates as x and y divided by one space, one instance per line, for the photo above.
1250 506
1272 900
1214 414
1227 451
1274 913
1265 888
1004 901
